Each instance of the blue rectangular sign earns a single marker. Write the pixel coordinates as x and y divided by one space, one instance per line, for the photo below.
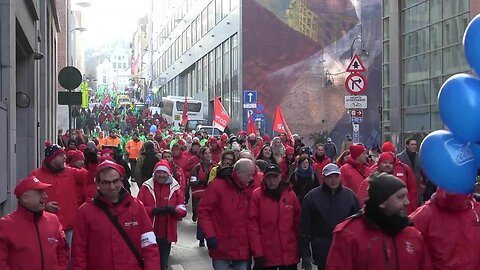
249 97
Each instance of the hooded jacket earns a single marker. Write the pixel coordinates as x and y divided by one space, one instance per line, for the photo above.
353 173
222 213
97 244
450 226
273 226
174 197
32 242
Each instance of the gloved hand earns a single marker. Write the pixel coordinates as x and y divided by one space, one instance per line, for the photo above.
307 263
163 210
259 262
212 243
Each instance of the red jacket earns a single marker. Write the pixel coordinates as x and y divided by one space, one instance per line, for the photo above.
97 244
318 167
217 155
450 226
222 213
353 173
198 188
179 175
174 198
192 160
404 173
90 187
64 190
273 227
359 246
181 161
20 242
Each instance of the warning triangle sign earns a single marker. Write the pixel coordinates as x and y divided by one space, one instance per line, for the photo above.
356 65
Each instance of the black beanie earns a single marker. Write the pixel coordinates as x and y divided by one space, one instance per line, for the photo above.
382 186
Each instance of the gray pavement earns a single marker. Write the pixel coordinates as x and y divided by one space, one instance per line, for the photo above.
185 254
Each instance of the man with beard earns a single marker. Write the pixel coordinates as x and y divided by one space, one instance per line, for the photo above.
381 236
31 238
320 160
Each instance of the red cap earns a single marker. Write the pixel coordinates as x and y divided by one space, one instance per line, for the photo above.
224 137
110 164
388 147
212 140
266 138
289 150
74 155
28 183
242 132
162 165
356 150
386 156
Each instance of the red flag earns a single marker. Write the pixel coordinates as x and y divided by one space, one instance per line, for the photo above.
280 124
184 113
106 100
220 116
251 126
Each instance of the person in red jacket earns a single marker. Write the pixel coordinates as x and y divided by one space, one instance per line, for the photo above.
222 215
258 175
273 223
66 193
75 159
31 238
163 199
177 172
389 164
216 149
450 226
179 158
355 170
98 244
381 236
320 160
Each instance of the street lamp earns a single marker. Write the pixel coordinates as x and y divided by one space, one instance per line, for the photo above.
364 51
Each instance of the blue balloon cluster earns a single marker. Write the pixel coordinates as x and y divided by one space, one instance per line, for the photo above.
451 159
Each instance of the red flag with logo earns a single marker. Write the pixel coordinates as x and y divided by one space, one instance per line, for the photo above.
220 116
280 124
185 113
251 126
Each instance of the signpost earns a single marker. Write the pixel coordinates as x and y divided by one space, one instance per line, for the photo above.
356 85
249 99
70 78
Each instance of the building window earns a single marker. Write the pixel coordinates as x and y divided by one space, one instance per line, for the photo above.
218 71
455 7
218 11
211 72
204 22
199 76
417 93
211 15
225 7
416 68
414 17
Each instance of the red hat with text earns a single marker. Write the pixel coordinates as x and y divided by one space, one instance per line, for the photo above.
52 151
28 183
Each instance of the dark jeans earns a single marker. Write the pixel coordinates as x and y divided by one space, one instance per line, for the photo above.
195 202
133 163
164 248
288 267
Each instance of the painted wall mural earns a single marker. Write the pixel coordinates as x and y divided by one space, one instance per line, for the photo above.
293 50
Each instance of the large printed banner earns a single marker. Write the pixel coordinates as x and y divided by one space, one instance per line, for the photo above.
220 116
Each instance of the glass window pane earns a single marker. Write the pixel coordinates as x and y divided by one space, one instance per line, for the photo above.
435 11
415 42
386 8
386 74
386 30
415 18
455 7
416 118
435 85
417 93
416 68
218 11
454 60
436 63
453 29
435 36
436 120
386 52
226 7
211 15
386 98
408 3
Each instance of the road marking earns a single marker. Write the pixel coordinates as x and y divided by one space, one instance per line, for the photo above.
176 267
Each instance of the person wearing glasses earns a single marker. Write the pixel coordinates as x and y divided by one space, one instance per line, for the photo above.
113 231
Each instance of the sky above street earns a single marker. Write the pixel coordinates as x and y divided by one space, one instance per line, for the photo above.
109 20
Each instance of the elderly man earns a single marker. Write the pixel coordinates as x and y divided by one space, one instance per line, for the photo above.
163 199
113 231
31 238
381 236
356 169
323 208
222 214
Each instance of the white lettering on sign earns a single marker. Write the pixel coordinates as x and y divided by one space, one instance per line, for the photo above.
356 102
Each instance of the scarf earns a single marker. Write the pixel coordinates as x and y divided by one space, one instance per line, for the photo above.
304 173
391 225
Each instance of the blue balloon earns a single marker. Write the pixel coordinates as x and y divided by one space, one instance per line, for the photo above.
153 128
448 162
459 106
476 152
471 44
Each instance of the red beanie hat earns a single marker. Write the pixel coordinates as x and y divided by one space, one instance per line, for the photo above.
162 165
385 156
356 150
212 140
52 151
224 137
388 147
110 164
289 150
266 138
74 155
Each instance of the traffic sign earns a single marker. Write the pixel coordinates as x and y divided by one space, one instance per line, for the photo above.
356 83
249 97
356 102
356 64
356 127
356 113
70 77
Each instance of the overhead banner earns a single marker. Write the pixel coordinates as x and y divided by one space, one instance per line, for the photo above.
220 116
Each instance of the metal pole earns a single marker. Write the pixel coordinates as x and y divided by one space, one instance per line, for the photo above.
70 119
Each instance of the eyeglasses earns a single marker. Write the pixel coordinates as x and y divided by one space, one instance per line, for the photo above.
108 183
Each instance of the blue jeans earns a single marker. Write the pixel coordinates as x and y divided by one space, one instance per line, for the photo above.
69 236
164 248
225 264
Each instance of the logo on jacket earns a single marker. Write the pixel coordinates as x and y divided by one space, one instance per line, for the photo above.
409 247
131 223
52 240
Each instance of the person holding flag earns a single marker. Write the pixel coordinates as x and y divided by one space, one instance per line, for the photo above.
280 125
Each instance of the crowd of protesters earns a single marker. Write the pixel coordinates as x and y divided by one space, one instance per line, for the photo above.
258 202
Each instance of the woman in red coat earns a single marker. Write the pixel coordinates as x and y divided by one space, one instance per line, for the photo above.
273 222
